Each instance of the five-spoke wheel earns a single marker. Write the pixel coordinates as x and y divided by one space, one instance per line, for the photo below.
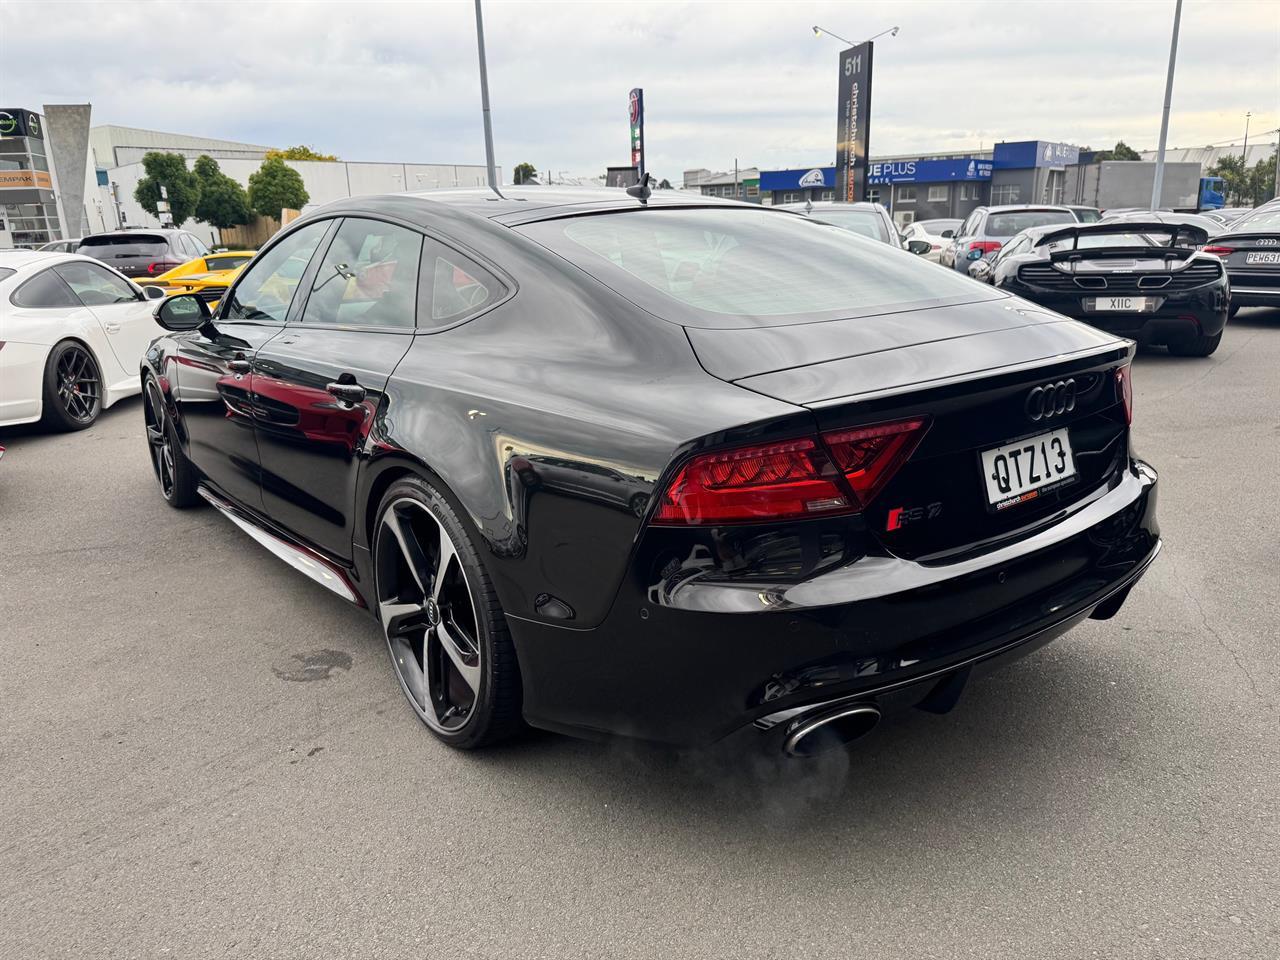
72 387
445 633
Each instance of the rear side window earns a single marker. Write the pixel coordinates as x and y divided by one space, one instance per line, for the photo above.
736 268
6 272
45 289
459 288
368 277
124 245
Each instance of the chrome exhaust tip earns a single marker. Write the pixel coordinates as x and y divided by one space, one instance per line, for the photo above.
826 730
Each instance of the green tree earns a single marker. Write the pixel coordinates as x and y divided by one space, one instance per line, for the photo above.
274 186
1235 177
1262 180
170 171
223 202
524 173
1121 151
300 152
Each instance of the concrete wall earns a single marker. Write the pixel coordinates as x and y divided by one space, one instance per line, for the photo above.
66 131
325 182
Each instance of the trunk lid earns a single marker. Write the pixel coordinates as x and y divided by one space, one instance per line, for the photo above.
970 370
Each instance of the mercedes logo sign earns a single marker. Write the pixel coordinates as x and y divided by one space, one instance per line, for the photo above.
1051 400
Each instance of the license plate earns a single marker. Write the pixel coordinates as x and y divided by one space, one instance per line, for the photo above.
1265 256
1124 304
1022 471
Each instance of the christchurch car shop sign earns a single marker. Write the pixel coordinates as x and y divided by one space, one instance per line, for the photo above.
853 114
636 109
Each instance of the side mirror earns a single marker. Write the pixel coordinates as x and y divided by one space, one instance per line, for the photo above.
153 292
919 247
981 270
185 311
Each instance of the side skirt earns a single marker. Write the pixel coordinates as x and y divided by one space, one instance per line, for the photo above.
307 562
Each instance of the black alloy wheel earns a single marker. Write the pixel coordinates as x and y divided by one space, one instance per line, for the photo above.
72 387
448 641
173 471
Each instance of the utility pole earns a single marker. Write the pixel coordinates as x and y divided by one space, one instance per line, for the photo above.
1157 187
735 179
484 102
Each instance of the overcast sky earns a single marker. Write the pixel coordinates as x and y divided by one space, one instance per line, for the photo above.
399 81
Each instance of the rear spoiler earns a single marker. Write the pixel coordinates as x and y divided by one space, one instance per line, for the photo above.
1196 236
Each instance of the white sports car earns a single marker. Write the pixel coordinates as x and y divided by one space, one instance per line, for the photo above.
72 336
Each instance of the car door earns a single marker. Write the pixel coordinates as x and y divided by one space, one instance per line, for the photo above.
119 307
319 387
211 376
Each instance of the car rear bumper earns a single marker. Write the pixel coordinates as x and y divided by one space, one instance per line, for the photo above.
1245 295
696 663
1184 313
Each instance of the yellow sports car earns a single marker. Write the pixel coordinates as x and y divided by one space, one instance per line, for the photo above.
208 277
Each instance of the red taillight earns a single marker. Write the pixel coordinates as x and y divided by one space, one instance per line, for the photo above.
1124 380
793 478
1220 251
986 246
767 482
160 266
870 456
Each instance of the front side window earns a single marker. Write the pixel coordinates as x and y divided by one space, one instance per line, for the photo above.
368 277
266 289
743 268
95 286
46 289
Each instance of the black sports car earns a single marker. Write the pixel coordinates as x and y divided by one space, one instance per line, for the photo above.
675 471
1142 279
1250 250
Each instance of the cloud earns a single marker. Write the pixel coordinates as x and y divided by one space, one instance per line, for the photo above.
398 81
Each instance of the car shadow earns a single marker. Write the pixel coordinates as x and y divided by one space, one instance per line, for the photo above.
118 413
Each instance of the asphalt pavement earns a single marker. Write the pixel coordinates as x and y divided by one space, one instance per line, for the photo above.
204 754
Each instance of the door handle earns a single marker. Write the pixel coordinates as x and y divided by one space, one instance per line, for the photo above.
346 389
239 365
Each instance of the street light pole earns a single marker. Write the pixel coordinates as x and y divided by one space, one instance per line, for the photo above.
484 103
1157 186
1244 153
819 31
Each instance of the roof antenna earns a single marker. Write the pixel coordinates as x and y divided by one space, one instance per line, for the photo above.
484 104
641 190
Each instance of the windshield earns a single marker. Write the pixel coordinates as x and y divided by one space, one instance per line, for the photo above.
123 245
936 227
748 268
1007 224
1264 221
863 222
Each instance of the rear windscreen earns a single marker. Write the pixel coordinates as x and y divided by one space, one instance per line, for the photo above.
734 268
1007 224
863 222
123 245
226 262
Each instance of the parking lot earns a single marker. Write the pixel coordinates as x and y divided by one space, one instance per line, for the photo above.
207 754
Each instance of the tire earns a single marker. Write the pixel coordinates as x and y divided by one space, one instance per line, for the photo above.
1196 345
456 665
175 475
73 389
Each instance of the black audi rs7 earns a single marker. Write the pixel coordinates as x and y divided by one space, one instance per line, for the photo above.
1147 280
675 470
1250 251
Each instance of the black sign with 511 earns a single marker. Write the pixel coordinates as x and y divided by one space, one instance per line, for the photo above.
853 123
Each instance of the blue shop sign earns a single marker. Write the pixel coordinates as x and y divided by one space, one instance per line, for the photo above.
802 179
1034 153
929 171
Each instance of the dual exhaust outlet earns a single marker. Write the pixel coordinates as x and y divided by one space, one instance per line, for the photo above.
825 730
